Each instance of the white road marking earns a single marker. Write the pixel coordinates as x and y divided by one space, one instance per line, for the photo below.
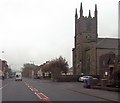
3 86
35 90
44 96
37 95
31 89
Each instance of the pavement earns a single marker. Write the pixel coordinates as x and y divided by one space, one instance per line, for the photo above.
106 88
103 94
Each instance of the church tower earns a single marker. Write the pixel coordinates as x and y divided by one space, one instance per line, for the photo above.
85 38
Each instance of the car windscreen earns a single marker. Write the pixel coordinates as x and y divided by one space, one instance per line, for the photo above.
17 75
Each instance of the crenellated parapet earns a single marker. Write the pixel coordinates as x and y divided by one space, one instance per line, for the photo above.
85 17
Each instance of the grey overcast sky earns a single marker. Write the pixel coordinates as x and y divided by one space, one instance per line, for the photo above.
41 30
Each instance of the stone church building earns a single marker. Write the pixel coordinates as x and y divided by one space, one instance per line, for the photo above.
89 49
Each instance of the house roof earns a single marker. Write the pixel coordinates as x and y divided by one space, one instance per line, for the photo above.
107 43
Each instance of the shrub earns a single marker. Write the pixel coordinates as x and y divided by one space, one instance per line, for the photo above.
117 83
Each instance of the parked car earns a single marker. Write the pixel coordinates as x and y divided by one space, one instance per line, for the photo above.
81 79
36 77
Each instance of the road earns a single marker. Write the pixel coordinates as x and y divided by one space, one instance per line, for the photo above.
42 90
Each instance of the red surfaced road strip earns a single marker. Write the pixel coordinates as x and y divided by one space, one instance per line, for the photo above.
42 96
39 94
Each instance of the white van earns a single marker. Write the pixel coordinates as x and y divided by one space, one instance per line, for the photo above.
18 76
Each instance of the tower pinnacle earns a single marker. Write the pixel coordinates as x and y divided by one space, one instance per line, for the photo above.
76 15
89 14
95 13
81 10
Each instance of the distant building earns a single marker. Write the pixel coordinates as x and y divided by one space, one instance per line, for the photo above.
70 71
4 69
0 67
40 73
10 73
88 47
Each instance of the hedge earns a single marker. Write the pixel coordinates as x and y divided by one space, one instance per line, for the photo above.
67 78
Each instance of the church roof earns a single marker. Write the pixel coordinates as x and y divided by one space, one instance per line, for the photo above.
107 43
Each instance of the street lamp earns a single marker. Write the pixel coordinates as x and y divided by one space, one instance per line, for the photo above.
2 51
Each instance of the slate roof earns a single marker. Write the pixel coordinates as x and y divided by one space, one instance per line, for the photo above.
107 43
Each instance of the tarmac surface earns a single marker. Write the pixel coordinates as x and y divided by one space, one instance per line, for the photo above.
60 89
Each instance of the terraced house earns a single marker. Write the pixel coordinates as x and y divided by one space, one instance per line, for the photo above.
3 68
